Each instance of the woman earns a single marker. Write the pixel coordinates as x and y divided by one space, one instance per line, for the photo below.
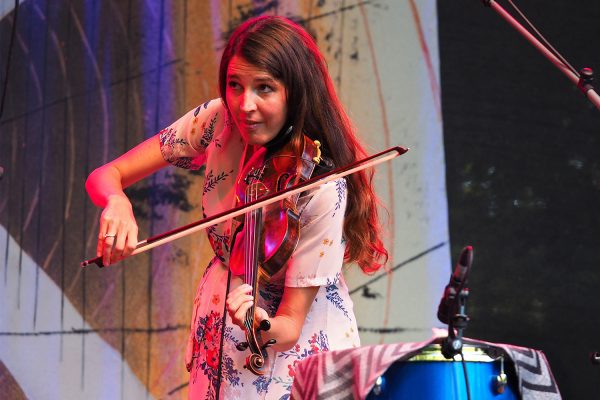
274 89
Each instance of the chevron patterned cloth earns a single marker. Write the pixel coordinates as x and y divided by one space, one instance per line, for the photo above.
351 373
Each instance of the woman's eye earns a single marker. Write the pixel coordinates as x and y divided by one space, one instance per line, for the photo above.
233 85
265 88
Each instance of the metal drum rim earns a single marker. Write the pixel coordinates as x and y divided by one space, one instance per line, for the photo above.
433 353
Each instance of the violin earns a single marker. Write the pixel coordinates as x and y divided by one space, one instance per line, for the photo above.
265 238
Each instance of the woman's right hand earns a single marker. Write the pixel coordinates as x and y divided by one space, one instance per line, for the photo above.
118 233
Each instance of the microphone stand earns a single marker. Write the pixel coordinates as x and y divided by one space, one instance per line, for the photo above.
583 80
457 323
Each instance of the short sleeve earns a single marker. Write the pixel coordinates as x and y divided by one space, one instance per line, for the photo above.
184 143
319 256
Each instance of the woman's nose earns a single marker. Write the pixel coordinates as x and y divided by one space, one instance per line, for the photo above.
248 102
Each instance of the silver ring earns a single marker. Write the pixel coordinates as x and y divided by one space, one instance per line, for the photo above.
107 236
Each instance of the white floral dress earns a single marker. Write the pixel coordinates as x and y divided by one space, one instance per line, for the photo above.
205 135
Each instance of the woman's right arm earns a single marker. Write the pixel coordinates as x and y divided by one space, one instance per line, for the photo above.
117 235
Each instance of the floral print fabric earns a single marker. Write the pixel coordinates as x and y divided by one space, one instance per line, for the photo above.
205 136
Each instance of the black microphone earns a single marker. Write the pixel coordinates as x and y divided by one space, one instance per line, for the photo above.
458 279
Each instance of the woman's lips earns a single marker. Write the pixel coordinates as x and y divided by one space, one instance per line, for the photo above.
250 125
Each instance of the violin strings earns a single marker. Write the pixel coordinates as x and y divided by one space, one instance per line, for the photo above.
251 250
246 244
253 259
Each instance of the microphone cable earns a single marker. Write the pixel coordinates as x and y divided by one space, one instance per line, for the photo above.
10 48
464 366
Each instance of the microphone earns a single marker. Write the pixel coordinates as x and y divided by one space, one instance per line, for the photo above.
457 280
1 173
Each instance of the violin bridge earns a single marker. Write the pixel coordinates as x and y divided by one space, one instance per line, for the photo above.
253 176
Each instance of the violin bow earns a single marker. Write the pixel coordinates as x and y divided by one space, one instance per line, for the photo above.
202 224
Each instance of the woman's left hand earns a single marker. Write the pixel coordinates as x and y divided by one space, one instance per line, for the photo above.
239 302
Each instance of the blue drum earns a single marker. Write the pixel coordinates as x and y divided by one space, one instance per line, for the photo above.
429 375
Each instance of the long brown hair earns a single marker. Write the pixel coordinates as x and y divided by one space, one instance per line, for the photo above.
288 53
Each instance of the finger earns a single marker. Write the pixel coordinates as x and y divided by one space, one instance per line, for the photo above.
109 240
117 253
107 228
260 314
234 298
99 246
232 315
235 302
101 232
132 241
243 289
240 314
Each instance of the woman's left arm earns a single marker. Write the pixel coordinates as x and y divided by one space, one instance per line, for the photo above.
287 324
316 262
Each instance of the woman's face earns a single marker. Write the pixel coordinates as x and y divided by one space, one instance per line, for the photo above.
257 101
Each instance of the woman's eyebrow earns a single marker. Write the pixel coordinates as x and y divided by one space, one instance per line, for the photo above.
261 78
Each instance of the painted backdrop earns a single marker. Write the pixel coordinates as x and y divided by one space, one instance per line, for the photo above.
90 79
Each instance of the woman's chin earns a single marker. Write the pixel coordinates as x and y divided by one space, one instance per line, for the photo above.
257 139
257 135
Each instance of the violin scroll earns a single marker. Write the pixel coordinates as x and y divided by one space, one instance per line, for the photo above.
258 357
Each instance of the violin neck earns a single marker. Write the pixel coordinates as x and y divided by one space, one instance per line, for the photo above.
253 239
